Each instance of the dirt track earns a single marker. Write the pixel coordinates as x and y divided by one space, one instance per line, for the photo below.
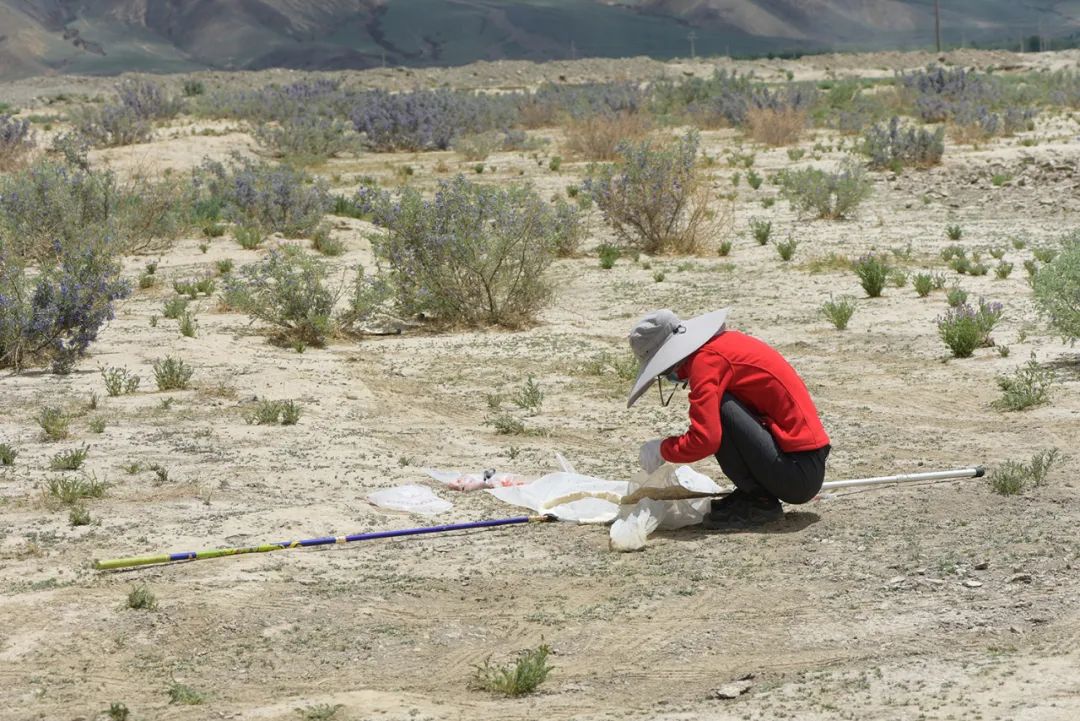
927 602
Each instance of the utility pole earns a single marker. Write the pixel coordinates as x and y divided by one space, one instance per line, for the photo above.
937 23
692 37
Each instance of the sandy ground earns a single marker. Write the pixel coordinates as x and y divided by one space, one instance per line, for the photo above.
923 602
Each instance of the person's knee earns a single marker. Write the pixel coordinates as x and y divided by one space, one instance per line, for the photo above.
798 496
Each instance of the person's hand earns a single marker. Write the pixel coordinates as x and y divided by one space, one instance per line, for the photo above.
649 457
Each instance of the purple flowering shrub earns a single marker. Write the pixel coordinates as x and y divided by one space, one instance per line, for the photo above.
472 255
894 146
51 313
427 119
130 119
305 138
655 197
16 140
965 328
276 198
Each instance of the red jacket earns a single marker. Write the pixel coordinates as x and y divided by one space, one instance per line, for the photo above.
761 379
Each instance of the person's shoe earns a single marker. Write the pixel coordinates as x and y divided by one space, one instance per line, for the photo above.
740 511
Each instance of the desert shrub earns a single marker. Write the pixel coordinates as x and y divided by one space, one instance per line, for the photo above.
305 138
8 454
1029 386
655 197
249 237
1003 269
276 102
185 695
965 328
172 374
552 103
120 381
956 296
1057 289
775 126
49 204
141 598
474 254
600 137
873 272
521 677
839 311
608 255
69 460
54 423
16 141
148 99
761 230
193 88
478 146
112 125
51 313
276 198
1013 477
287 289
69 490
727 99
129 120
268 412
569 229
831 195
427 119
923 284
786 248
325 243
893 146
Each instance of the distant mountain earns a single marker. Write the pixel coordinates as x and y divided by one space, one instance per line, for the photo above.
112 36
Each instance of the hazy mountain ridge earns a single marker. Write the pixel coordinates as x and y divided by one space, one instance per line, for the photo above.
110 36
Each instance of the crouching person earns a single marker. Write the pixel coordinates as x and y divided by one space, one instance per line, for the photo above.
748 407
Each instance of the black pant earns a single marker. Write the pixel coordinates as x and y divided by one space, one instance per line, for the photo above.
749 456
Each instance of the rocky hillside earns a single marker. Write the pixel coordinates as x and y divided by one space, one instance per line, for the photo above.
111 36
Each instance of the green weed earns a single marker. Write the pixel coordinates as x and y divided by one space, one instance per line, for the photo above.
141 598
839 311
69 460
172 374
518 678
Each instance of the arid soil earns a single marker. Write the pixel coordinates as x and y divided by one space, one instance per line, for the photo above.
940 601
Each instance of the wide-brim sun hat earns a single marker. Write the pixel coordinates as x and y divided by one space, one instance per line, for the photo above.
660 341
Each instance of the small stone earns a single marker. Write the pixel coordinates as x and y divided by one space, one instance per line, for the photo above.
1020 578
973 584
733 689
896 581
982 565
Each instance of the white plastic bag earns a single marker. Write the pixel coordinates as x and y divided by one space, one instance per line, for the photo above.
414 499
569 496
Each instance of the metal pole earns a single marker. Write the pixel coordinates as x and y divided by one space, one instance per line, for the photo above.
937 23
973 472
115 563
678 493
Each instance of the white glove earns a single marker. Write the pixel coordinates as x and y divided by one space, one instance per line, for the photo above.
649 457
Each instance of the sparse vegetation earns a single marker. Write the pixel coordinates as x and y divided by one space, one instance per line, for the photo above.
172 373
873 272
655 197
761 230
185 695
54 422
1029 386
839 311
69 460
8 454
1013 477
828 195
1057 289
518 678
